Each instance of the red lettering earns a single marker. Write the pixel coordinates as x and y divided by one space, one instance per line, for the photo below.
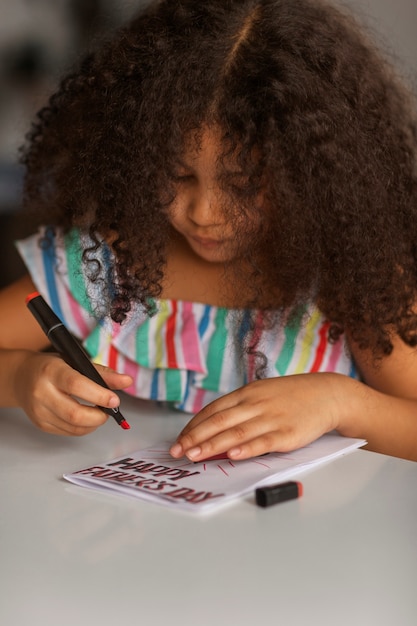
193 496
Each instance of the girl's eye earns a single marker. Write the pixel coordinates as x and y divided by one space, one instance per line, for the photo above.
183 178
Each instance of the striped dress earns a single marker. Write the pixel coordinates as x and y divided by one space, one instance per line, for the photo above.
187 353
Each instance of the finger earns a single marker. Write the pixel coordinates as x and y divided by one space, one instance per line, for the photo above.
239 426
235 440
81 421
115 380
56 375
208 428
72 383
54 426
285 437
66 415
51 426
252 438
276 441
228 401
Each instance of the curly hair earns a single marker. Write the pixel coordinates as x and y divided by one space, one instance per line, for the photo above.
295 82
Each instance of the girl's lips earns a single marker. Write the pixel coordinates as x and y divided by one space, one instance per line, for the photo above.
207 243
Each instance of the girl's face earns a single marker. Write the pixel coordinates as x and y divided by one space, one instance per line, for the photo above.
197 212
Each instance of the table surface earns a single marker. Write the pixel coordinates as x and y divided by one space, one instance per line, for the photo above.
345 553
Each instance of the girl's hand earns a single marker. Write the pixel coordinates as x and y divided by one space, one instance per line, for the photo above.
274 414
47 389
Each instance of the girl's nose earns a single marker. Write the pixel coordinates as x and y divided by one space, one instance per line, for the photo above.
204 208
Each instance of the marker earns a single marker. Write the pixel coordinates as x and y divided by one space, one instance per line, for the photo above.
223 456
215 457
68 347
267 496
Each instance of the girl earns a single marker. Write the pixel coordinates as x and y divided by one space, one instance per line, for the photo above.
227 201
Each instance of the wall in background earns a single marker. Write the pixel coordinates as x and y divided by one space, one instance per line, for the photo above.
39 41
395 24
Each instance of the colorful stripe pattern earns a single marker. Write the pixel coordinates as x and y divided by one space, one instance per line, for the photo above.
187 353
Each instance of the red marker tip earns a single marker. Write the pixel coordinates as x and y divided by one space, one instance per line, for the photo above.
124 425
30 297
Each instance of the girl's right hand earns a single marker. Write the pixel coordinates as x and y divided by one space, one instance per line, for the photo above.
53 394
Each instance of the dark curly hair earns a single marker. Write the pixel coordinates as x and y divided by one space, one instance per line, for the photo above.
293 81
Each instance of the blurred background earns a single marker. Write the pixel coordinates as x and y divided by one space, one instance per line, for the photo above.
41 39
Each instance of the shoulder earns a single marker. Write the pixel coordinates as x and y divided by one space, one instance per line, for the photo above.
49 244
395 374
71 272
18 328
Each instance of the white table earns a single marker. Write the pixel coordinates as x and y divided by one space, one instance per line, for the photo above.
343 554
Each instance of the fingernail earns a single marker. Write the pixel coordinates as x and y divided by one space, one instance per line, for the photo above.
194 452
235 452
176 450
113 402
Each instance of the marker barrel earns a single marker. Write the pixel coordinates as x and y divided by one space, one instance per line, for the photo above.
68 347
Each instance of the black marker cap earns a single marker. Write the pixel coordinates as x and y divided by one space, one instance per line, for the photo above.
266 496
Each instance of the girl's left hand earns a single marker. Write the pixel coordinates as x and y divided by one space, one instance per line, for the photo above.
273 414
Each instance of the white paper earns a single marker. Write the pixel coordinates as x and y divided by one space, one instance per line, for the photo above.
152 474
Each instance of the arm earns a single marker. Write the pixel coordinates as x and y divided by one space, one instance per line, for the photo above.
42 383
385 413
282 414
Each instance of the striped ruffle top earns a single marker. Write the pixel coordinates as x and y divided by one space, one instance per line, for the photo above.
186 353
